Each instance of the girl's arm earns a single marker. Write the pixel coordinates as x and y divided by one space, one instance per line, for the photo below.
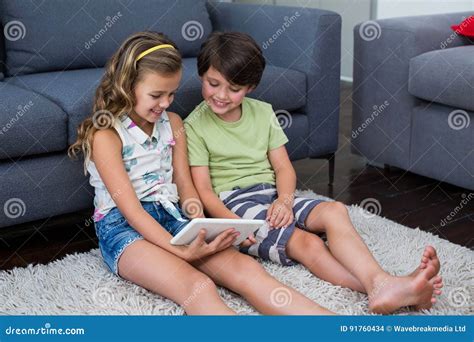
280 212
188 196
212 203
107 156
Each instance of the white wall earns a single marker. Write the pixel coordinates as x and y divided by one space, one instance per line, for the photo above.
400 8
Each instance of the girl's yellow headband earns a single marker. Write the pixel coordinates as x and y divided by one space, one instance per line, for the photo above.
158 47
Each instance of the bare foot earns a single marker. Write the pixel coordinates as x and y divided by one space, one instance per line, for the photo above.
437 283
390 293
429 257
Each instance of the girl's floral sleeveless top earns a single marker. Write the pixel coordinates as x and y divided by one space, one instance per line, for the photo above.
148 162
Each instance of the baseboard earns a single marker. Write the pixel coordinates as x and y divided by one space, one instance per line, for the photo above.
346 79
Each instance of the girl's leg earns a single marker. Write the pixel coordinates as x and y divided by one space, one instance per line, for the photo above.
386 293
245 276
309 250
157 270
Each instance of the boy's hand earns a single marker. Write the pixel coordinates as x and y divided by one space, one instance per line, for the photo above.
249 241
280 214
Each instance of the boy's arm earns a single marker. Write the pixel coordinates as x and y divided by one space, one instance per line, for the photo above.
212 203
280 212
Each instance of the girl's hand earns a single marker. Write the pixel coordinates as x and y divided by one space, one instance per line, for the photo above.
280 214
249 241
199 248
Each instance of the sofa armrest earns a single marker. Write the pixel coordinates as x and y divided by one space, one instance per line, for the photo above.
303 39
382 53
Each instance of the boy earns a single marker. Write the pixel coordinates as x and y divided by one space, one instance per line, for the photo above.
241 168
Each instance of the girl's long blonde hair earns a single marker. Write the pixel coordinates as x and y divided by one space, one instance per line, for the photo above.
115 95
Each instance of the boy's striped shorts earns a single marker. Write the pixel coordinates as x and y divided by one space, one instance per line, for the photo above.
253 203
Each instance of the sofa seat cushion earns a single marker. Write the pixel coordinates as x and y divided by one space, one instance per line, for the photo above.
69 34
444 76
45 186
72 90
29 123
441 148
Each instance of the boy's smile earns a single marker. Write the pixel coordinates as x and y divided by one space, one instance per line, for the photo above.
223 97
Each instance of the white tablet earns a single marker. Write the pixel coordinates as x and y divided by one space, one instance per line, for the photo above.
214 227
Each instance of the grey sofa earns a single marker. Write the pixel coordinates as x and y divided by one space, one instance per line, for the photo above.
414 96
53 54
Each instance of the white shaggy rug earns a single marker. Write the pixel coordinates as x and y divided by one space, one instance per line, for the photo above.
81 284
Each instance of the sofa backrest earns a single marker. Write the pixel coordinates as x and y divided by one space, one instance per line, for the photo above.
2 53
74 34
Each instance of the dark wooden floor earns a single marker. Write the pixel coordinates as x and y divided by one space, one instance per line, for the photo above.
406 198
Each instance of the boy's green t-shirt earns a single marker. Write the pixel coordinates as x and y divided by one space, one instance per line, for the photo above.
235 152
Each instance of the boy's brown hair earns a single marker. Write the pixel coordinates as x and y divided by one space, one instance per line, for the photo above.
235 55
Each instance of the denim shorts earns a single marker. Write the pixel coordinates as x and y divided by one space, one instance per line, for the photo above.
115 234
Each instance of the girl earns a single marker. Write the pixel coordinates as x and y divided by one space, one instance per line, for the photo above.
136 155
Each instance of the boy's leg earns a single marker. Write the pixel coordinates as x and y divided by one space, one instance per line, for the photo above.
273 244
245 276
309 250
386 293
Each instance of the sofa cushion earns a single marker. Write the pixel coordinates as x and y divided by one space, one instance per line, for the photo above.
444 76
283 88
72 90
441 144
29 123
44 186
2 56
189 92
70 34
